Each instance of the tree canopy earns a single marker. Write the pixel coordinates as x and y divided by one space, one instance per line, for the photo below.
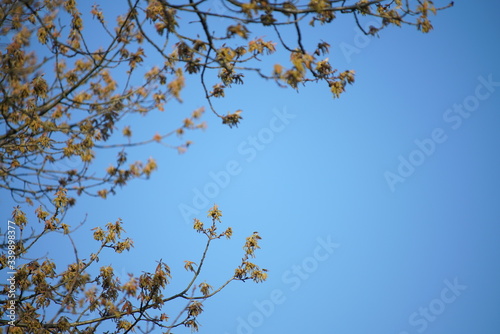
70 72
61 100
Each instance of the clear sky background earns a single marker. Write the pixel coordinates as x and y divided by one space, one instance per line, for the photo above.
379 211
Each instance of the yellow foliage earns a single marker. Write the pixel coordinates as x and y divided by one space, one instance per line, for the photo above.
73 113
127 132
150 167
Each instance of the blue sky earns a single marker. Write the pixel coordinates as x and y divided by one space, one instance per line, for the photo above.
378 211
